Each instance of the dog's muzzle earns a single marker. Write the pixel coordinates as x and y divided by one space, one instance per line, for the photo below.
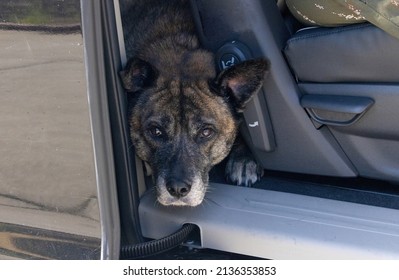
179 193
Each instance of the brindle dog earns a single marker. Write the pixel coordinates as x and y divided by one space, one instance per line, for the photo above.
184 117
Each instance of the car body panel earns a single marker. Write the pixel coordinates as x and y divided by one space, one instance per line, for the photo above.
48 191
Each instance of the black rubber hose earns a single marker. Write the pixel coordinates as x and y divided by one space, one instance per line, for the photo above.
153 247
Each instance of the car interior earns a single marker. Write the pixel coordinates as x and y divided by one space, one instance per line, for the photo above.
324 127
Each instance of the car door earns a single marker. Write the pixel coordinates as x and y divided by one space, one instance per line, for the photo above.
49 204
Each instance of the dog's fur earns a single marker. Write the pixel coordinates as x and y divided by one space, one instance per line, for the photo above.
184 118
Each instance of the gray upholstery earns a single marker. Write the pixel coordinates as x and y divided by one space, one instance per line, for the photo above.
355 53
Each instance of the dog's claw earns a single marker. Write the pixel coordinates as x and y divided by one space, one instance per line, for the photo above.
243 171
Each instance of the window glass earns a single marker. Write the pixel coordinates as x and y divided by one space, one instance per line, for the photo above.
47 175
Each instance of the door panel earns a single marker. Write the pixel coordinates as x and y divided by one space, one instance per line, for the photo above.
48 193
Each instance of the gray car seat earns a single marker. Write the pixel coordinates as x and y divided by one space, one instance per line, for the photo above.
349 80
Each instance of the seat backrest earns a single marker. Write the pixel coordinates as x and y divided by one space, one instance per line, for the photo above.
353 53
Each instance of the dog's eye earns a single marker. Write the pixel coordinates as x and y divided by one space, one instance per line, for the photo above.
206 132
155 131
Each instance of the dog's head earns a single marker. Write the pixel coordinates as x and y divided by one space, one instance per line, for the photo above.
183 123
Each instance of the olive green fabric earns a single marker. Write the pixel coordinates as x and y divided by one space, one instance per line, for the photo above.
382 13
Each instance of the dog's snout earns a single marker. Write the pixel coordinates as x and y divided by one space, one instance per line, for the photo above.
177 188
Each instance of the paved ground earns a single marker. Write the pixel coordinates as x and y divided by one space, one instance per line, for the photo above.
46 158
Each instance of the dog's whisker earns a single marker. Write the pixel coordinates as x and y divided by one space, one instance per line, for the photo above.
210 189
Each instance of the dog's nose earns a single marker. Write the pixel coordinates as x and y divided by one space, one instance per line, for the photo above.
178 188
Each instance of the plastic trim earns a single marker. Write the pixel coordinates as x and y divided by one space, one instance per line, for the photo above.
354 106
277 225
101 130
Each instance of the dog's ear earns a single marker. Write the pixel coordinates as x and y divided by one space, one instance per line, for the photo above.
240 82
137 75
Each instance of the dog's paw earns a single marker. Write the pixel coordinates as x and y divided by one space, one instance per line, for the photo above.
243 170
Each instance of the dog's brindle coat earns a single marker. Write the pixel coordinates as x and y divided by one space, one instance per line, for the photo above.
184 118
